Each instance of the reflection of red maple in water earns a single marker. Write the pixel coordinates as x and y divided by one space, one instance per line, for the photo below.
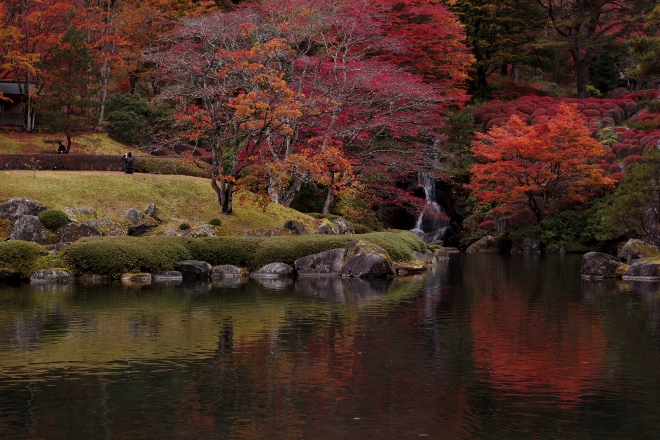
529 351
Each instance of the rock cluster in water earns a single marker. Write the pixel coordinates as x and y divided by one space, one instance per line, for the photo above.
641 262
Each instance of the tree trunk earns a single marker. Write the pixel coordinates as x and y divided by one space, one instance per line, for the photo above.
68 140
515 73
581 61
224 190
287 198
330 198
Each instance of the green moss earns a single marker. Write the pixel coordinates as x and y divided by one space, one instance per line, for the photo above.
20 256
117 255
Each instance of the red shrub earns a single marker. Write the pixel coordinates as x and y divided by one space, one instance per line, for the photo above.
592 105
632 159
610 158
522 218
634 150
524 108
614 168
622 151
591 113
617 176
496 121
487 225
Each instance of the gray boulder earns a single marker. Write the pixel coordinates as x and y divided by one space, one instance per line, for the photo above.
194 269
599 266
14 209
29 228
112 228
75 231
486 244
274 270
643 272
51 276
228 271
152 212
295 226
328 228
364 259
635 249
80 214
139 223
327 263
527 244
341 226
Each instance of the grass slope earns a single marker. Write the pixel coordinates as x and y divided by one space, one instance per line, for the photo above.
178 198
92 143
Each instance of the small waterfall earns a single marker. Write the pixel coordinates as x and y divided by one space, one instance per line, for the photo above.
433 222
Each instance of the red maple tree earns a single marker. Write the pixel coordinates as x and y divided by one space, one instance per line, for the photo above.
536 166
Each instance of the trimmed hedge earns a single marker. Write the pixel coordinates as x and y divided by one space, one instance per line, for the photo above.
117 255
100 162
67 162
20 256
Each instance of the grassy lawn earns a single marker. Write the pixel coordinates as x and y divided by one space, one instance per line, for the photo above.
92 143
178 198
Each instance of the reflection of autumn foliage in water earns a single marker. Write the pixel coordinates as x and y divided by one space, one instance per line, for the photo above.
525 346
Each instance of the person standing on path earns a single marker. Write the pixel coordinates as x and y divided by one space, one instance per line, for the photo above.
128 159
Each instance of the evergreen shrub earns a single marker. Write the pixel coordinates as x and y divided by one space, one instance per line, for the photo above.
20 256
53 219
117 255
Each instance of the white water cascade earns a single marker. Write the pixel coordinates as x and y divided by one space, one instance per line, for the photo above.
432 223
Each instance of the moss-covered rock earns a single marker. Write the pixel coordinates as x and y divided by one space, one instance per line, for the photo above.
486 244
80 214
136 278
365 259
409 267
636 249
599 266
51 276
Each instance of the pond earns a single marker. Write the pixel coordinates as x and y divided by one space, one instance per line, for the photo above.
482 347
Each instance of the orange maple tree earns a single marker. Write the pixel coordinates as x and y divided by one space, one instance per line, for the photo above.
536 166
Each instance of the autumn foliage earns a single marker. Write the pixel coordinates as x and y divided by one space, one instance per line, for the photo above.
537 166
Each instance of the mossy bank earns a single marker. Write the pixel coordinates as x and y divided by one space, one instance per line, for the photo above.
117 255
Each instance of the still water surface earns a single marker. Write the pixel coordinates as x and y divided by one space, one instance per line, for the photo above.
484 347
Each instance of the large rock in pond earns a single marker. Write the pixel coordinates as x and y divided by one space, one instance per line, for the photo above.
194 269
75 231
136 278
274 270
486 244
29 228
599 266
325 263
17 208
139 223
228 271
643 272
409 267
635 249
51 276
364 259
